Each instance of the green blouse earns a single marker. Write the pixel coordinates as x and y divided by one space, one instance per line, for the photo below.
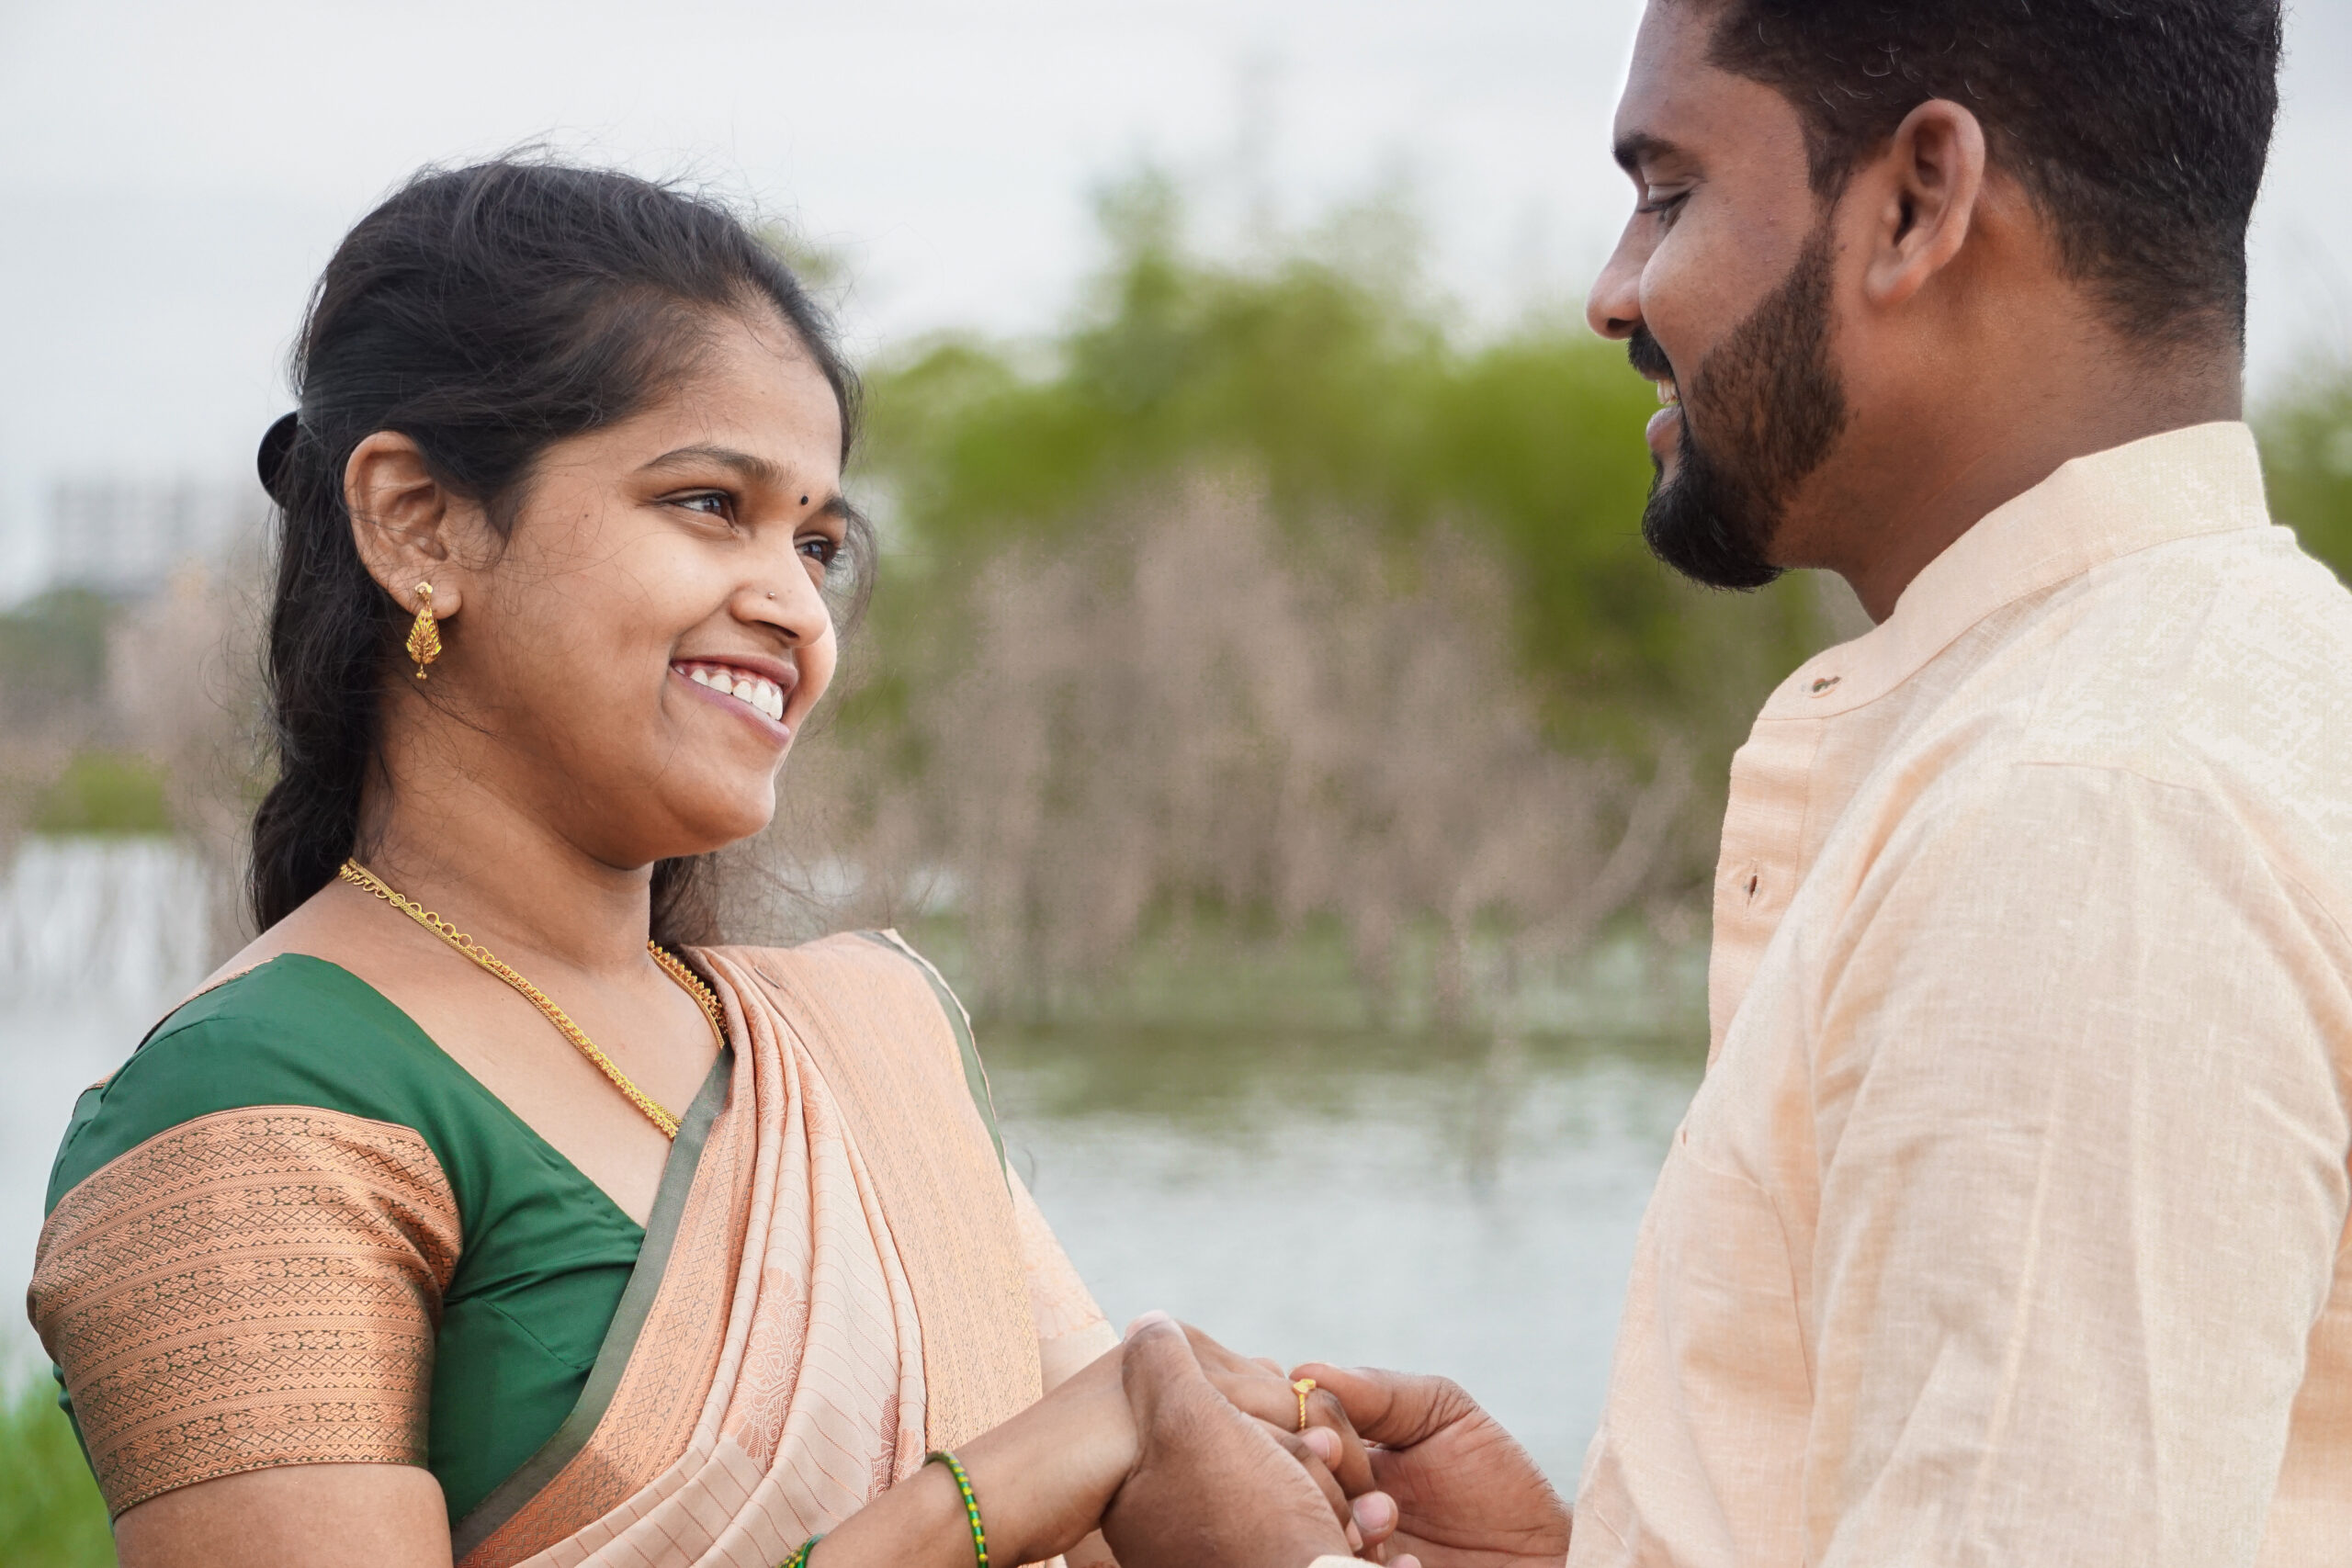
544 1254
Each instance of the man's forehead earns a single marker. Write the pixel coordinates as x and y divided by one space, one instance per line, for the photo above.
1670 71
1677 100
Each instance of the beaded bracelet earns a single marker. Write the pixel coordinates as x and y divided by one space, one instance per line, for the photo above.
971 1504
800 1558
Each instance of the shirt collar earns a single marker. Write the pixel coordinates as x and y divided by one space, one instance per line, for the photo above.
2206 478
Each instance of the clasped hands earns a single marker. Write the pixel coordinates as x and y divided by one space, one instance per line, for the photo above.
1391 1468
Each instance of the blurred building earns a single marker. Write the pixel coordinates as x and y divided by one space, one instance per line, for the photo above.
122 537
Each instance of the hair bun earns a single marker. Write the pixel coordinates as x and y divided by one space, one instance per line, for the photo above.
275 442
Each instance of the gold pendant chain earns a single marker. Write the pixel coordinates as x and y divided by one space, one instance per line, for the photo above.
671 965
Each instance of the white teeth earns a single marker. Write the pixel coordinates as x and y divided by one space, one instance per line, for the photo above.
766 697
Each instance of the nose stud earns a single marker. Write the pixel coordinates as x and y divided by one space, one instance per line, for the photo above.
771 592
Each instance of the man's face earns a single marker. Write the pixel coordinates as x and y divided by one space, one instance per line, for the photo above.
1721 288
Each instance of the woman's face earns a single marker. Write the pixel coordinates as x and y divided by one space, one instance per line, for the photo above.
631 665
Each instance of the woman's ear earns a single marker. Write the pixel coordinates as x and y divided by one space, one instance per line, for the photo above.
1928 183
403 521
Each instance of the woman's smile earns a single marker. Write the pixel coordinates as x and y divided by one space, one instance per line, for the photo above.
759 689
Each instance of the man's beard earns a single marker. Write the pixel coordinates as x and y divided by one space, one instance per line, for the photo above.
1773 408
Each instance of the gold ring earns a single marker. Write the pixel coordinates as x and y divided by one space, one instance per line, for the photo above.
1302 1388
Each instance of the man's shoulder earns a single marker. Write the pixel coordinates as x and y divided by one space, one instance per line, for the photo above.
2219 665
2220 662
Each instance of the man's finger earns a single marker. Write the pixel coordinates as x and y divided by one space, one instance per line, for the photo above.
1376 1517
1276 1404
1324 1482
1394 1409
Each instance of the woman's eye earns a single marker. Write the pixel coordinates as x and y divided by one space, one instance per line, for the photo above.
710 502
820 549
1662 206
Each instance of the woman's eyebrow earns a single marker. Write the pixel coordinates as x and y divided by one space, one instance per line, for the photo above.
756 469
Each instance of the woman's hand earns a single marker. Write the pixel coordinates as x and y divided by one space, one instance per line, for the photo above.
1212 1487
1045 1478
1053 1469
1263 1389
1468 1495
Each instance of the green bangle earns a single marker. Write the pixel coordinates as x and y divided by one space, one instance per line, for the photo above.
971 1504
800 1558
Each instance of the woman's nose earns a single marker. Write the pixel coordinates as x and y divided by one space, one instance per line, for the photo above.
791 603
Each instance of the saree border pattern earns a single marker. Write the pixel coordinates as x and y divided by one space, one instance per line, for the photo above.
253 1288
841 1281
662 1228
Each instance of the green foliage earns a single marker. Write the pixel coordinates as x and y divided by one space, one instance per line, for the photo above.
105 792
2307 461
1335 382
53 649
51 1516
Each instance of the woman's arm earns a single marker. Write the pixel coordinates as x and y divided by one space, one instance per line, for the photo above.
1044 1479
293 1515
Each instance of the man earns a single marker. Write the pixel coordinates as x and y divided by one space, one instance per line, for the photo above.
2009 1225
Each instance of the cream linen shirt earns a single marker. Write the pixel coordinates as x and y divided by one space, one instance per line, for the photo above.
2008 1226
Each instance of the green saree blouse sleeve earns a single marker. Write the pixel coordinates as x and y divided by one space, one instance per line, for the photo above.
292 1230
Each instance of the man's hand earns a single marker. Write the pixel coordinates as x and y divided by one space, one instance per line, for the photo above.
1212 1487
1466 1494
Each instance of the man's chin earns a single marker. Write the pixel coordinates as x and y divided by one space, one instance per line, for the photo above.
1689 526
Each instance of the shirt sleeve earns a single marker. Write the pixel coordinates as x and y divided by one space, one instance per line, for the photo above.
1071 1330
254 1286
2083 1161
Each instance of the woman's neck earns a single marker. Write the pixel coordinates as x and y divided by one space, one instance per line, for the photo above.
441 826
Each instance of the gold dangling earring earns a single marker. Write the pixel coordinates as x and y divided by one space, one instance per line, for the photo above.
425 636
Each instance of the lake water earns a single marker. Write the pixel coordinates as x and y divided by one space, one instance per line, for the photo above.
1456 1205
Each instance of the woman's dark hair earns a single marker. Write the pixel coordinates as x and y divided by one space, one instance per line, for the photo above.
485 313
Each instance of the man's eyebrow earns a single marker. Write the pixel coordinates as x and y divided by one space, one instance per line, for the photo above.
757 469
1638 146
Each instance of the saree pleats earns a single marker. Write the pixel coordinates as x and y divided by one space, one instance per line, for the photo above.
839 1290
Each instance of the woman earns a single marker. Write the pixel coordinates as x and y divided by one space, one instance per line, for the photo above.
456 1220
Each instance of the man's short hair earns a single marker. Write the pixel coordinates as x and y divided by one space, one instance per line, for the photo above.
2139 128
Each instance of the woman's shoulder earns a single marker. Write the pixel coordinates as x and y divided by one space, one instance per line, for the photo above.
876 972
881 952
296 1032
873 990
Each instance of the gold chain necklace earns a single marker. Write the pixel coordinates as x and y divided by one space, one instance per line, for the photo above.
671 965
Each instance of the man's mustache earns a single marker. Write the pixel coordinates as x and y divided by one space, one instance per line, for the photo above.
1648 359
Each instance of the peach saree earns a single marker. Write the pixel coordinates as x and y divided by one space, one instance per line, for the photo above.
838 1277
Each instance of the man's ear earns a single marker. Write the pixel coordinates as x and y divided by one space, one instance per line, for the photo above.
401 521
1925 188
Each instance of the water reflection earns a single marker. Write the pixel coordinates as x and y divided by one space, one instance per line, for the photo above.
1459 1206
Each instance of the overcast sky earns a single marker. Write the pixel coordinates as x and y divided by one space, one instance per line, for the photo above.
173 176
